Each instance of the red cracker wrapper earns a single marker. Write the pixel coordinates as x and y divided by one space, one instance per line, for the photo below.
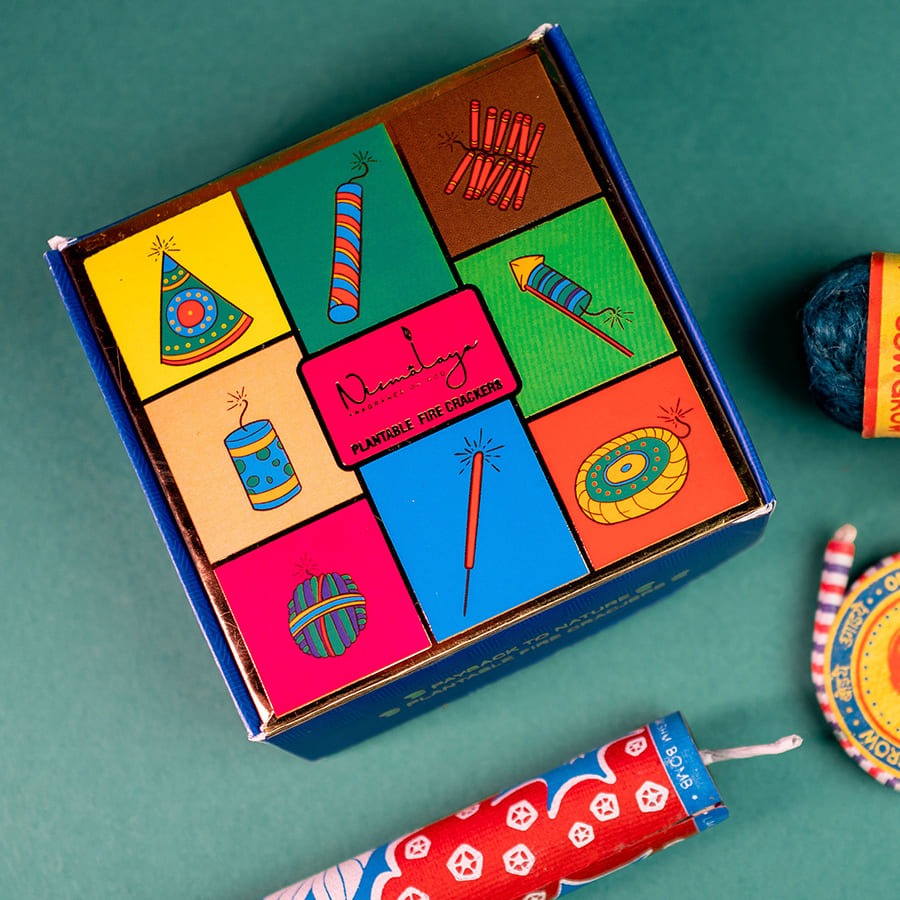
585 819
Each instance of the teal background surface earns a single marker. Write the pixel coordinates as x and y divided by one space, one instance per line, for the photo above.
762 138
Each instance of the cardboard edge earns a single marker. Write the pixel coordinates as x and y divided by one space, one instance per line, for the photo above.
168 528
532 640
568 64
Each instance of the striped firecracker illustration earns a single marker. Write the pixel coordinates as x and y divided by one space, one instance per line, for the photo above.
585 819
346 267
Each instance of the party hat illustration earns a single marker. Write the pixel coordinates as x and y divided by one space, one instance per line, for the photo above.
196 322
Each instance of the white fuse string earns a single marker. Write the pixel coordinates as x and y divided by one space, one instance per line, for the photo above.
782 745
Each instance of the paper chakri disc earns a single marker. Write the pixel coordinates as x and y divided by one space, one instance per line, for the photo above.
861 671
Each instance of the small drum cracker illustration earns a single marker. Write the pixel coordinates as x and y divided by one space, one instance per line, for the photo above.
326 614
631 475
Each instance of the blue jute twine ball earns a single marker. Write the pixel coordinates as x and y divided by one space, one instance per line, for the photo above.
834 321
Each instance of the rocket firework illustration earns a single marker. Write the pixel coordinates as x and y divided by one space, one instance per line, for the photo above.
498 158
260 459
343 299
195 321
473 458
534 276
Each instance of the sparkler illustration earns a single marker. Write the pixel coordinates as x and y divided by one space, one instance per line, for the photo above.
476 454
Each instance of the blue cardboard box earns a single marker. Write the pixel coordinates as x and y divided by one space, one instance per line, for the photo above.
415 401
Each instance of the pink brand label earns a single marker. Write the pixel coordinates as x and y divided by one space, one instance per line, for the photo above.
404 379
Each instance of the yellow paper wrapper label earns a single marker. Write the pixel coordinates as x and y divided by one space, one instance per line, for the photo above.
881 396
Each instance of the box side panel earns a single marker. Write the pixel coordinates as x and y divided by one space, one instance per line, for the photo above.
158 505
527 642
567 62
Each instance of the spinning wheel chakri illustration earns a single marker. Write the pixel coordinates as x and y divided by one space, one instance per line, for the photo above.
631 475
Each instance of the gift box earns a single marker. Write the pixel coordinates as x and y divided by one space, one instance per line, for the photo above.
415 401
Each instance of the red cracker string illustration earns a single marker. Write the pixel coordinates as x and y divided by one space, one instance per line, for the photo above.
458 173
524 134
514 133
474 176
522 188
505 116
499 159
535 143
490 124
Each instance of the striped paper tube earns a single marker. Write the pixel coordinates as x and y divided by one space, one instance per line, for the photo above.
839 554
